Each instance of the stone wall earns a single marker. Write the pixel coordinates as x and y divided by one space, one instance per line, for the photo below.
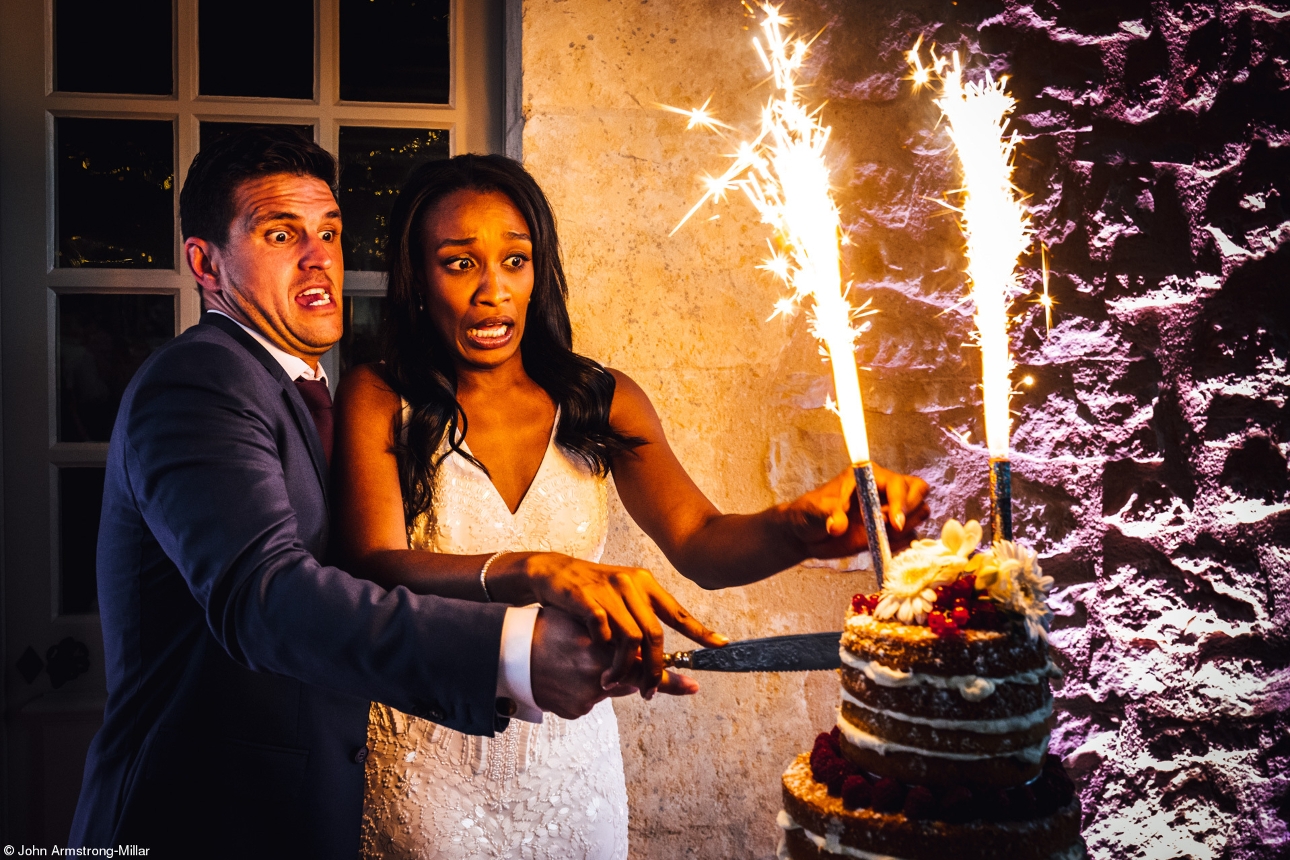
1150 470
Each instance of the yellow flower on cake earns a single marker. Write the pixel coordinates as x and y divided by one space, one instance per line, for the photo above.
908 592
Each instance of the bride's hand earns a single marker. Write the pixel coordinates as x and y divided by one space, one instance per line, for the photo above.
827 523
623 605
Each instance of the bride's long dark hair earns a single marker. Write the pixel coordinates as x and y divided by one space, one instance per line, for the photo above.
420 365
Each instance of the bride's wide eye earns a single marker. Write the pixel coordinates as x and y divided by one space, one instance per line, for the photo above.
516 261
460 264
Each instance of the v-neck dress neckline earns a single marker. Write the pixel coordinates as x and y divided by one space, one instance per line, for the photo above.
565 509
546 455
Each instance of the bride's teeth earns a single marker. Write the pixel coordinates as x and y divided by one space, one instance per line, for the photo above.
491 331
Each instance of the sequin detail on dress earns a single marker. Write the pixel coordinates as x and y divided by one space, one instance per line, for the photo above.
550 790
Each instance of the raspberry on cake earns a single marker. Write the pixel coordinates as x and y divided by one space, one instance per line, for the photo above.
941 744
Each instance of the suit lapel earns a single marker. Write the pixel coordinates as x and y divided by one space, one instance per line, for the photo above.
304 421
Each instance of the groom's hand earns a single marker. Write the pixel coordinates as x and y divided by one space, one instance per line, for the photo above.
566 665
624 606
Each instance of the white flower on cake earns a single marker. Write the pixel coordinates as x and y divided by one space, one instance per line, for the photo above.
907 591
1016 582
1007 573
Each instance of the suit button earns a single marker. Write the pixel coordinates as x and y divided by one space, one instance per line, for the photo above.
435 714
360 754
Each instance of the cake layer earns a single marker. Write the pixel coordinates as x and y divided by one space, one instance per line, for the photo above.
992 737
817 825
915 648
919 765
933 697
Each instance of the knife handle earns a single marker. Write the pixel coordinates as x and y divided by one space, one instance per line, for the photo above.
677 659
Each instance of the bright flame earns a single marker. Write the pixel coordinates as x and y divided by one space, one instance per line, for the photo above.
699 117
1046 298
994 222
918 73
783 174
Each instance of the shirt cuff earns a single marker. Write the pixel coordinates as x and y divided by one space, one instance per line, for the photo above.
513 679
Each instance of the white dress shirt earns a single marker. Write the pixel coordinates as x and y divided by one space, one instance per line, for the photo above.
514 680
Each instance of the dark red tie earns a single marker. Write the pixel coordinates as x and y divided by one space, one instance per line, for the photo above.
318 399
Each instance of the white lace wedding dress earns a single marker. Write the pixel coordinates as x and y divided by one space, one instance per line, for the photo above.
550 790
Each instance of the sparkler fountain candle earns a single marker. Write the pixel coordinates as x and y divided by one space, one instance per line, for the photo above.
997 230
783 173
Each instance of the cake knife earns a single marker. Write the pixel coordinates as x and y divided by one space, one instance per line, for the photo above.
801 652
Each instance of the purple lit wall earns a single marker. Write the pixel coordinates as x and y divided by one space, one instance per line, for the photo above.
1151 448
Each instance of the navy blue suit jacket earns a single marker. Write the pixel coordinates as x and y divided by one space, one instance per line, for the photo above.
239 666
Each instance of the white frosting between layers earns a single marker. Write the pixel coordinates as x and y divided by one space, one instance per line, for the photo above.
786 823
860 738
974 688
830 843
983 727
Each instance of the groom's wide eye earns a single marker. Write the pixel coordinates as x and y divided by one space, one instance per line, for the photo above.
279 237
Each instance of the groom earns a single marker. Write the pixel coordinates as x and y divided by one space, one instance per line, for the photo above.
239 665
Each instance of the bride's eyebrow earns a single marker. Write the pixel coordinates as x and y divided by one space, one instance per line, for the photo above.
455 243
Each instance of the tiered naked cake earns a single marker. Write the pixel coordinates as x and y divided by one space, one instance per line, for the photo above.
940 750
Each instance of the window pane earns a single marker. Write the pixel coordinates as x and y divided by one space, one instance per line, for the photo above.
394 51
361 342
80 498
373 164
116 198
248 48
102 340
213 131
113 46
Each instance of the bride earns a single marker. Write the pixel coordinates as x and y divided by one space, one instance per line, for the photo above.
483 443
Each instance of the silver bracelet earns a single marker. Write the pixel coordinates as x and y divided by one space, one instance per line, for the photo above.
483 573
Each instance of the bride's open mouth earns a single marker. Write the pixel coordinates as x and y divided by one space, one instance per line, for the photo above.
491 333
314 297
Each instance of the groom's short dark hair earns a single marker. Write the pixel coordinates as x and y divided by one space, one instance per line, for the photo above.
206 207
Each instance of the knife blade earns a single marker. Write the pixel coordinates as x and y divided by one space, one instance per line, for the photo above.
800 652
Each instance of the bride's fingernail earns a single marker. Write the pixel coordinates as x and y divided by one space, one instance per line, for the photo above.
720 639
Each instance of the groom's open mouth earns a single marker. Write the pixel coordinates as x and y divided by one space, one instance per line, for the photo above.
315 297
492 333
